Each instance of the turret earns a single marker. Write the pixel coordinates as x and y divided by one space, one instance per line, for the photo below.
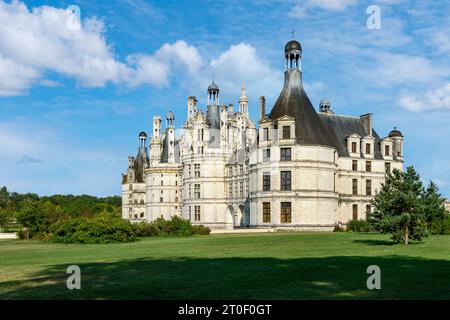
213 106
170 133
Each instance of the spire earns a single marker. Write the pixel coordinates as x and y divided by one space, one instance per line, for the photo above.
243 100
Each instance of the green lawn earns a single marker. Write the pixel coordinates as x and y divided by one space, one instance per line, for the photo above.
256 266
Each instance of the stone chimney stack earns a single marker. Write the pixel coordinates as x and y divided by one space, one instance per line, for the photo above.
262 107
366 120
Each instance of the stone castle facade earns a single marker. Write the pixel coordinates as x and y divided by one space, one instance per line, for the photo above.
298 169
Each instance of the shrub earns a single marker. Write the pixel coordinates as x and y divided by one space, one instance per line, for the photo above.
201 230
174 226
338 228
104 228
358 226
145 229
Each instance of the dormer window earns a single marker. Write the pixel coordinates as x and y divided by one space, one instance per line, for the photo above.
286 132
354 147
266 134
368 148
387 151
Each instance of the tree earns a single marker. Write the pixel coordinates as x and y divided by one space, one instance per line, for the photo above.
4 218
33 218
433 206
399 207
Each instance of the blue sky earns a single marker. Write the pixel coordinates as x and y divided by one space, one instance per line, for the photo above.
73 97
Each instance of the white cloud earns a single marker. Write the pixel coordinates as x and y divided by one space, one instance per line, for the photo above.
241 63
395 69
40 40
300 10
437 99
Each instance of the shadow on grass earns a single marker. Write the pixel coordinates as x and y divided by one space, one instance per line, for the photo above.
240 278
373 242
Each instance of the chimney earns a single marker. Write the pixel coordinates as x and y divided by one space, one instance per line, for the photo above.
366 120
262 107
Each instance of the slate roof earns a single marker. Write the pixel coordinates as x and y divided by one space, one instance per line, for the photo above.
343 126
294 102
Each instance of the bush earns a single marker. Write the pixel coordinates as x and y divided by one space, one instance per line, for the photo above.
104 228
358 226
145 229
338 228
201 230
175 226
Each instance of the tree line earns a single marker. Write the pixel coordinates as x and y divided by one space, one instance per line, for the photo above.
34 214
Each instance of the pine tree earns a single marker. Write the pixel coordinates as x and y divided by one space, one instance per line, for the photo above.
399 208
433 206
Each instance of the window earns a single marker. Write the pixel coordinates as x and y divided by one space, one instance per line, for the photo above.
230 189
355 187
197 170
130 187
197 213
387 167
190 214
266 212
142 214
266 134
241 189
161 199
176 199
368 151
369 166
189 170
241 169
387 151
368 187
355 212
266 181
286 132
162 182
355 165
196 191
285 180
266 155
200 134
368 210
286 213
285 154
142 201
354 147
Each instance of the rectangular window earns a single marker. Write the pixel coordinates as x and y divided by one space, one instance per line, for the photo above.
197 213
197 170
196 191
286 132
266 212
266 134
368 166
355 165
355 187
354 147
368 151
387 167
230 189
241 189
285 180
355 212
241 169
161 199
368 210
266 155
189 170
285 154
387 151
266 181
286 212
368 187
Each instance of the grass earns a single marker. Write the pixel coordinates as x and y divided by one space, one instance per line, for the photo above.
253 266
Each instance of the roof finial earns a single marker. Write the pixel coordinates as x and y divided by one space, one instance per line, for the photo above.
293 33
